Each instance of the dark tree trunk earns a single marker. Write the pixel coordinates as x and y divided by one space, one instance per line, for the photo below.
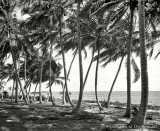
128 109
13 90
35 91
40 82
139 119
80 60
96 80
110 92
64 62
90 65
50 73
64 89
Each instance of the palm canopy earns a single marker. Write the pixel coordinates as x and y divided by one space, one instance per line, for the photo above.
33 68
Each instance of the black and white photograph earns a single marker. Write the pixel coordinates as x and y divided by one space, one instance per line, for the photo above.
79 65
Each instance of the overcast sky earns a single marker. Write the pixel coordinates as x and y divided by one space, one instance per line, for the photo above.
107 74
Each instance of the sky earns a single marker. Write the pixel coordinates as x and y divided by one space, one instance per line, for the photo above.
106 75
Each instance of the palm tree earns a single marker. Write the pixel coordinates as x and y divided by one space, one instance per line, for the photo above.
80 58
63 56
96 73
109 95
128 109
140 117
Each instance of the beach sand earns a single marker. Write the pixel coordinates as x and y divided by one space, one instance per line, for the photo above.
36 117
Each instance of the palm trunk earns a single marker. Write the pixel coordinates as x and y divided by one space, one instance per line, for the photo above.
35 91
40 82
64 63
13 90
110 92
18 80
139 119
80 60
90 65
64 89
23 94
16 91
128 109
29 90
50 76
25 75
96 80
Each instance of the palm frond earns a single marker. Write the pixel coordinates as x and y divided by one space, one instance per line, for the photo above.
136 70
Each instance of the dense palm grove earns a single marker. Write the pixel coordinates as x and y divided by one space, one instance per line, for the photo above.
107 27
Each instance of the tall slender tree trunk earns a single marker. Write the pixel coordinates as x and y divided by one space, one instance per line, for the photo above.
50 75
64 62
139 119
96 80
80 59
114 81
29 89
90 65
23 94
64 89
128 109
40 82
16 92
18 81
35 91
25 75
13 90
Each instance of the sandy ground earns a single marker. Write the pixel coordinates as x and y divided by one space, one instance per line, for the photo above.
36 117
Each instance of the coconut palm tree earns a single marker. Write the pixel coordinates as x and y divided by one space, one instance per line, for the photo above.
140 117
10 34
80 58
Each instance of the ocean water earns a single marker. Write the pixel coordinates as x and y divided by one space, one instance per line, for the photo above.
120 96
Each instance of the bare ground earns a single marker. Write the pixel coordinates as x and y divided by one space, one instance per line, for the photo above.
36 117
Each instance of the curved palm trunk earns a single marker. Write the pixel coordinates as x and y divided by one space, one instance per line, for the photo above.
80 60
139 119
64 62
110 92
90 65
16 92
64 89
128 109
96 79
29 90
50 76
23 94
13 90
40 82
35 92
25 75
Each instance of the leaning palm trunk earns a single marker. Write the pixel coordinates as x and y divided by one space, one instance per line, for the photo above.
35 91
13 90
139 119
25 75
64 89
50 76
80 60
96 79
110 92
128 109
40 81
17 78
90 65
64 63
29 90
23 94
